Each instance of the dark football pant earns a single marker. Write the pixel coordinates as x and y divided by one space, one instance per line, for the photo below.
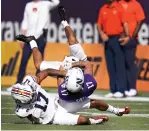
27 51
131 68
115 64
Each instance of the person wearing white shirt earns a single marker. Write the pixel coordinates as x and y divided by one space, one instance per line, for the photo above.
35 22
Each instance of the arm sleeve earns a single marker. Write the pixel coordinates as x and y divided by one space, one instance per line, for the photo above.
99 18
25 19
122 13
139 12
50 64
53 3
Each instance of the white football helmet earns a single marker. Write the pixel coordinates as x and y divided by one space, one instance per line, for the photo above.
74 80
22 94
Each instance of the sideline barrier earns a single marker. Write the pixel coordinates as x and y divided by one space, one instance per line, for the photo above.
11 56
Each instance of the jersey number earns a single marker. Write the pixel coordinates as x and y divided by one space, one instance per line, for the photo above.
89 85
26 81
40 95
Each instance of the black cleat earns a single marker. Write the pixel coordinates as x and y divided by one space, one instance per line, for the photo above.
24 38
62 13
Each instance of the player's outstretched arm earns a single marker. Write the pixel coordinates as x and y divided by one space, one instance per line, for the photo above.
59 78
88 67
49 72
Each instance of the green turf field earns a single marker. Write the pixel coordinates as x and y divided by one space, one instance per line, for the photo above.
137 120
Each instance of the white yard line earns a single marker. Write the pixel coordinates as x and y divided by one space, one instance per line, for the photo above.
129 103
95 114
8 114
142 99
141 110
7 108
9 103
134 110
96 96
113 103
113 115
6 93
4 123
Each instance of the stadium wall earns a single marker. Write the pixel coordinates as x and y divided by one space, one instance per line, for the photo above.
11 53
82 15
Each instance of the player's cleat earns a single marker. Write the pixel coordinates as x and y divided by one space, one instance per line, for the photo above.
62 13
126 93
24 38
100 119
132 93
126 111
109 95
118 95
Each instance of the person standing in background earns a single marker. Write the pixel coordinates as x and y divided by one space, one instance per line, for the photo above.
135 17
35 22
111 23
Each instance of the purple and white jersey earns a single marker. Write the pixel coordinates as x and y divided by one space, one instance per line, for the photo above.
89 86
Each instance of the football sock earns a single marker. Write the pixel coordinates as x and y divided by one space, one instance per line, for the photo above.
33 44
93 121
64 23
115 110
